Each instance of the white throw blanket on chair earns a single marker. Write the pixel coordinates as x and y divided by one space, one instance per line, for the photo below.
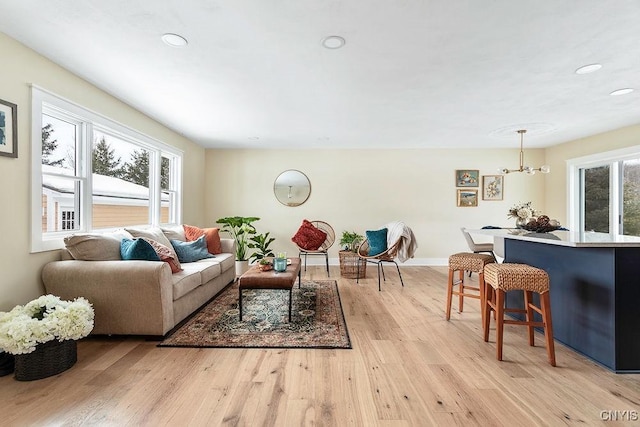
408 244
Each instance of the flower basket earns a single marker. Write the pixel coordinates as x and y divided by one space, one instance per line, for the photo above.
42 335
49 358
349 265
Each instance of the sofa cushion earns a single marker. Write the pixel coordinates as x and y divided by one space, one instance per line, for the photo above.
165 254
137 249
186 280
309 237
209 269
96 246
227 261
191 251
377 241
211 235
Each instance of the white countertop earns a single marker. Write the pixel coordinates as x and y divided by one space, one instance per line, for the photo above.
563 238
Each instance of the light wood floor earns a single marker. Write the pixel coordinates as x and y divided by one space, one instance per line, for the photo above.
408 366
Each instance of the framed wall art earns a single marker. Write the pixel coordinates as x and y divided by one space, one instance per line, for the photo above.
467 198
8 129
492 187
467 178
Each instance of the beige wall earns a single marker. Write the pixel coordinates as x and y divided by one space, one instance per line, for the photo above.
364 189
19 269
556 194
353 190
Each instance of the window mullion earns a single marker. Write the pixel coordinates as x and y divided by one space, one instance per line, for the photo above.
86 173
154 187
614 207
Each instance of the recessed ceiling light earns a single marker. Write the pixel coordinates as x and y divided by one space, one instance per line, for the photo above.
586 69
174 40
621 91
333 42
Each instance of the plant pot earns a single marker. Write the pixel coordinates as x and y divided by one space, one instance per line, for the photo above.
48 359
241 267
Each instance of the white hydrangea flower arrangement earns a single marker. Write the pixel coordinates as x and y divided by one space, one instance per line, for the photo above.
521 211
44 319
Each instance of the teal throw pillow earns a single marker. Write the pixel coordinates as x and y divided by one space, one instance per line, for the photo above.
191 251
377 241
137 249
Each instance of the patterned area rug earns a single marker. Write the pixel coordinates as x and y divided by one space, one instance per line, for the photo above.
317 320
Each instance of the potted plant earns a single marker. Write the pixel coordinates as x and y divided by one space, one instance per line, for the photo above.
265 265
241 229
261 243
350 265
351 240
42 333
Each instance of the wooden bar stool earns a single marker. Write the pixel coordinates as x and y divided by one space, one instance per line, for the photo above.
461 262
500 278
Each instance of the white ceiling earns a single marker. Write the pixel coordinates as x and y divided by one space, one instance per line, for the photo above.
413 73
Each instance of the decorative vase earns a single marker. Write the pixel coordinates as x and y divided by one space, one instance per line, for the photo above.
49 358
280 262
521 222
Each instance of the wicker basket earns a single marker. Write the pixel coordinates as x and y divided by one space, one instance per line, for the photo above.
349 265
48 359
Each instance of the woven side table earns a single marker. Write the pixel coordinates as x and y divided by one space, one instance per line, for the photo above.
349 265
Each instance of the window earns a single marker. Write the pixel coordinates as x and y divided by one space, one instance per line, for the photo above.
604 192
90 173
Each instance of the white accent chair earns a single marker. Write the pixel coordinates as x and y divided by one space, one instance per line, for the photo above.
477 247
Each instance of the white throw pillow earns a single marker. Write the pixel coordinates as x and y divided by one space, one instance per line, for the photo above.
96 246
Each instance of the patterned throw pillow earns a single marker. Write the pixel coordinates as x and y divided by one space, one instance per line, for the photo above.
377 241
211 235
153 233
137 249
309 237
191 251
165 254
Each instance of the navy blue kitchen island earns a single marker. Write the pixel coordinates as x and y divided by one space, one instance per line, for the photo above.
595 290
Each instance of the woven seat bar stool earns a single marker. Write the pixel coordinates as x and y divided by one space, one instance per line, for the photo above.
501 278
461 262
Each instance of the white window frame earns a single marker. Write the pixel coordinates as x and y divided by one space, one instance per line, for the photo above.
575 185
46 102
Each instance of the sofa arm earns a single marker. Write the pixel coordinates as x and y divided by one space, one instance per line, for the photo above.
128 297
228 246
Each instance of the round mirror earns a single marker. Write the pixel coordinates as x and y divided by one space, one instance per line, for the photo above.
292 188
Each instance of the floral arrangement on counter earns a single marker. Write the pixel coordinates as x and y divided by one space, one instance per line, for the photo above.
521 211
44 319
529 219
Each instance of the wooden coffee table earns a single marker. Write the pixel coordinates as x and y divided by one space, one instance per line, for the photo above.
254 278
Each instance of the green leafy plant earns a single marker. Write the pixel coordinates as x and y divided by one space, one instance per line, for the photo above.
261 242
241 229
351 240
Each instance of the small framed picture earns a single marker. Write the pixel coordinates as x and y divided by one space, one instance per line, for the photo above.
467 177
8 129
467 198
492 187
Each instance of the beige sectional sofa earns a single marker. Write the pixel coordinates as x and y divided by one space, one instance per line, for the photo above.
139 297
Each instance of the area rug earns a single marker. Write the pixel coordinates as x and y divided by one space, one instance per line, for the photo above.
317 320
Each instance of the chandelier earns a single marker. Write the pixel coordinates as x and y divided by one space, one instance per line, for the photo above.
528 169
